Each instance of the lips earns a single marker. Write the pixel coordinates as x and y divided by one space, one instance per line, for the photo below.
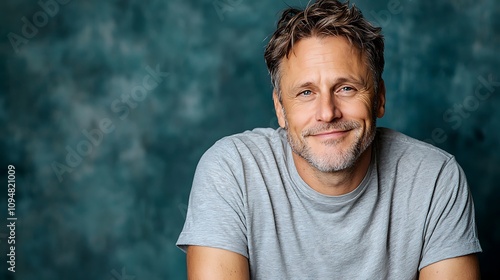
331 135
329 128
334 132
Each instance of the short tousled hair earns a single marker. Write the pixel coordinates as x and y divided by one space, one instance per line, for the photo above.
325 18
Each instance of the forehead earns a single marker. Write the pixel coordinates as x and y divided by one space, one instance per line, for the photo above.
326 57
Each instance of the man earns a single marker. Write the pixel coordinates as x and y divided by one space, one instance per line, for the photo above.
328 195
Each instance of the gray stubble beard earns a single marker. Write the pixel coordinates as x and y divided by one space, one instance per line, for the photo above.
347 159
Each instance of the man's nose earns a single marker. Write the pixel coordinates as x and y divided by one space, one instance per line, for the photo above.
327 108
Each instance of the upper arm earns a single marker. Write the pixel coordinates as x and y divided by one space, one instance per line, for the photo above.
450 227
206 263
464 267
216 215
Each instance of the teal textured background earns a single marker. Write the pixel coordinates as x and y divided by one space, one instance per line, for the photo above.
116 211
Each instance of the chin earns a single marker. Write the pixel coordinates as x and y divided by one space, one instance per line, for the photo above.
334 163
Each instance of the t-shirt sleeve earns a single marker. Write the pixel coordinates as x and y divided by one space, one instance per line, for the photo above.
216 208
450 229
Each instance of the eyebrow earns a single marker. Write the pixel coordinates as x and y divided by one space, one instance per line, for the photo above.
303 85
350 79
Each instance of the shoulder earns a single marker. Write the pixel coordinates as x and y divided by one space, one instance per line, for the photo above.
250 148
393 145
251 143
235 160
255 137
404 158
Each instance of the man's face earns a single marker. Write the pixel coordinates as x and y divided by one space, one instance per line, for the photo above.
329 105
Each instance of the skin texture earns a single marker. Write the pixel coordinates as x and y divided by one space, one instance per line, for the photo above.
329 107
205 263
460 268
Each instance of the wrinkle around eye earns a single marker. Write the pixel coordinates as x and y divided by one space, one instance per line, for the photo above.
346 91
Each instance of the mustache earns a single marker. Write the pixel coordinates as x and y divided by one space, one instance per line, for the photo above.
338 125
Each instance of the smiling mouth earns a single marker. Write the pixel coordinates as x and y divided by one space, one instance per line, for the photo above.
335 134
331 131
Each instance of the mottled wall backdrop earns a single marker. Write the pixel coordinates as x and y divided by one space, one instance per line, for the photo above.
106 107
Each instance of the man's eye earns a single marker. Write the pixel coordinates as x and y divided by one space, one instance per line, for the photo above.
347 91
306 93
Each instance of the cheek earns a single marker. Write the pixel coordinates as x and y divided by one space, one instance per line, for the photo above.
361 107
299 115
367 100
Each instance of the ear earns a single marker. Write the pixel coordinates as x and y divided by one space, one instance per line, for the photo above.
278 107
381 99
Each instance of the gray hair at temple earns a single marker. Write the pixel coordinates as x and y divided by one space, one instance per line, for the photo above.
325 18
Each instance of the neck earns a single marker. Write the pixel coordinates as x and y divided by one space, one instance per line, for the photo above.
334 183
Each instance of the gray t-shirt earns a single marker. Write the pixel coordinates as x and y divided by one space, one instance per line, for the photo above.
413 208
